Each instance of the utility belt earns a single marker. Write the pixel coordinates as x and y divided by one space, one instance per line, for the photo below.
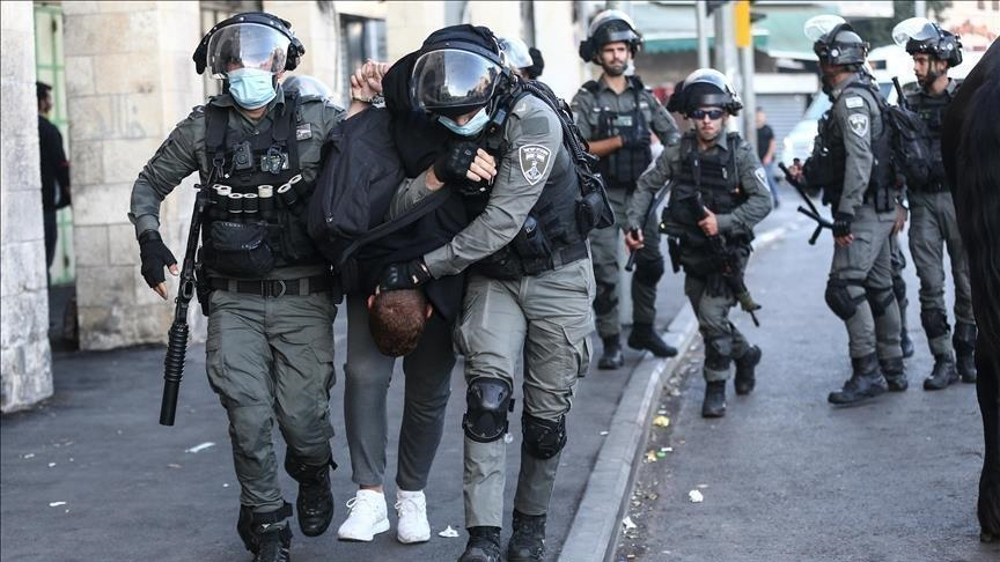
692 251
274 287
505 265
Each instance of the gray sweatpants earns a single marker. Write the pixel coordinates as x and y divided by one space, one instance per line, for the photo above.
546 317
367 374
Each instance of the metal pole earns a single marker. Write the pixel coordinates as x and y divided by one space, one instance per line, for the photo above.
701 20
920 8
749 97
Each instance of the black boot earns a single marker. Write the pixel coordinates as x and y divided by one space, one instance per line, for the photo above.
964 341
866 382
314 505
906 343
267 535
483 545
611 357
745 379
643 336
527 542
895 375
714 405
943 374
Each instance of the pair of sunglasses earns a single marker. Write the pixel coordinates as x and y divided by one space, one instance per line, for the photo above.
712 114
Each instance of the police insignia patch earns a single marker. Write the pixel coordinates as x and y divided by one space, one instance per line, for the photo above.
854 102
859 124
303 132
534 161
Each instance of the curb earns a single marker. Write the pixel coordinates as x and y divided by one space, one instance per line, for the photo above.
593 535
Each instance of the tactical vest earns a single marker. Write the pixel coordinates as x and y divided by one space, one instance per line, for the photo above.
931 110
255 221
828 162
551 235
622 168
715 177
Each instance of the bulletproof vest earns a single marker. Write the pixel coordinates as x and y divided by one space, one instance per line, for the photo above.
622 168
826 166
931 110
712 175
552 224
255 220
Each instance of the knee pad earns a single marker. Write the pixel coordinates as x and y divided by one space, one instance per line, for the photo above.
606 299
543 439
880 300
935 323
648 271
307 473
718 352
488 401
839 298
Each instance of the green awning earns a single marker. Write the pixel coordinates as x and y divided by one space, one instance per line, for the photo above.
680 44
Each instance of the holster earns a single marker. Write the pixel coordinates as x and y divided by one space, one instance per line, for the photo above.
202 289
674 250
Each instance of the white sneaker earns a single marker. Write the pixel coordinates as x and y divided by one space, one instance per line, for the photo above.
411 511
368 517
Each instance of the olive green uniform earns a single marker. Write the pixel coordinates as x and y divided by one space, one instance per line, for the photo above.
544 318
588 109
723 341
933 226
267 357
863 270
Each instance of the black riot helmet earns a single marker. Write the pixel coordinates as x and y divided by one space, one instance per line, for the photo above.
609 26
835 41
250 39
707 86
459 69
920 35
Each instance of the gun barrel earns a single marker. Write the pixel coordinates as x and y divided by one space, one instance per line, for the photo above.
173 370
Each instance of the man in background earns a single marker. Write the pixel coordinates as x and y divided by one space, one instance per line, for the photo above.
54 168
766 149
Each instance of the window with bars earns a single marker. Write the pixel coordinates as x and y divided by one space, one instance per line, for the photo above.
360 39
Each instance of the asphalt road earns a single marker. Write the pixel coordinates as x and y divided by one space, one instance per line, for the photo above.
90 475
787 477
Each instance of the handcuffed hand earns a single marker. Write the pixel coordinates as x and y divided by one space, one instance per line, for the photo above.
404 275
155 255
366 82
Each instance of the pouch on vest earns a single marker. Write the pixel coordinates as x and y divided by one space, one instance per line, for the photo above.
531 242
241 250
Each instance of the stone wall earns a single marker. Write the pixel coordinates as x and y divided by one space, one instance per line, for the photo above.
25 357
130 79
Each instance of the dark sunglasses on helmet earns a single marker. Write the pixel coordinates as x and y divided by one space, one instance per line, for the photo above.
712 114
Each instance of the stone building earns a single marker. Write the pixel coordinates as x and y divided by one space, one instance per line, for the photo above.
123 77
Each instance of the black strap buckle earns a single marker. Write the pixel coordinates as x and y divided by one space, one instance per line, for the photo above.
273 288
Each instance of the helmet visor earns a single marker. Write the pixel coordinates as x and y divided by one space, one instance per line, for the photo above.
819 26
247 45
453 82
918 29
516 52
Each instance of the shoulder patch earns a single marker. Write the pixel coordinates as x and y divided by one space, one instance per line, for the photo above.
854 102
859 124
534 161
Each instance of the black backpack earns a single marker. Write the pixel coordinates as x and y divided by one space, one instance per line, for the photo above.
911 149
361 173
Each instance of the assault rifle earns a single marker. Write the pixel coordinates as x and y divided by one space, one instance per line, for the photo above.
177 337
660 196
728 261
900 98
812 212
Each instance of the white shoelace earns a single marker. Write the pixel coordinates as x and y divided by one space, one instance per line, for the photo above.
408 506
364 501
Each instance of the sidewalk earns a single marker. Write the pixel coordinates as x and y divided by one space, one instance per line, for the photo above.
89 475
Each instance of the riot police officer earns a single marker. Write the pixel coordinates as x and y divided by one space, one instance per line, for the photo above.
852 163
268 292
720 193
933 223
530 280
617 114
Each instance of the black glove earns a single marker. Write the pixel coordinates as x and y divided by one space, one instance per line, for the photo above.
634 137
404 275
452 166
155 256
842 224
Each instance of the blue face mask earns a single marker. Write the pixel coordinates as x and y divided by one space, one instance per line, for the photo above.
251 88
472 127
